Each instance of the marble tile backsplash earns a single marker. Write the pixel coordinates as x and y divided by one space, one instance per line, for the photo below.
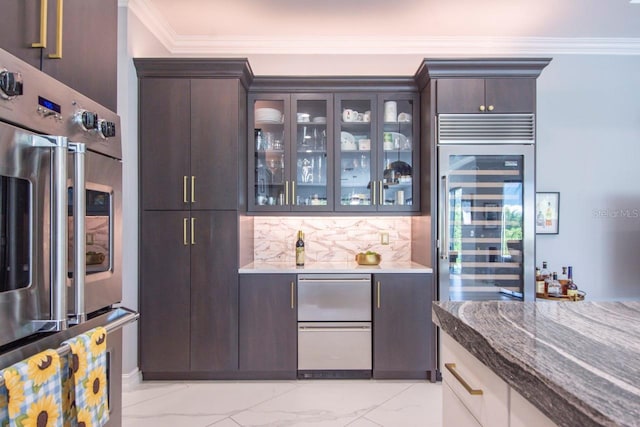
330 238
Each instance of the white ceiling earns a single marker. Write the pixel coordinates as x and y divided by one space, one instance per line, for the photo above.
330 28
357 18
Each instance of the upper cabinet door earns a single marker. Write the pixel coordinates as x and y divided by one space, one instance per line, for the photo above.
165 135
356 139
398 173
495 95
510 95
269 166
312 152
214 141
20 28
461 96
82 48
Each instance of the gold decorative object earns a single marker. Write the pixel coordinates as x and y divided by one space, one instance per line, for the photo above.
368 258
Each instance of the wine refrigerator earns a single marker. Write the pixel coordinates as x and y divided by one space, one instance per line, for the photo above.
486 196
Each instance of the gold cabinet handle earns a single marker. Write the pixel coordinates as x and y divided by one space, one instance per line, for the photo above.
490 108
193 189
286 192
292 294
293 192
58 53
184 231
43 25
451 367
193 231
373 190
378 296
184 189
381 194
482 108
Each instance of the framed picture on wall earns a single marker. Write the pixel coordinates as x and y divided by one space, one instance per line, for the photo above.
547 213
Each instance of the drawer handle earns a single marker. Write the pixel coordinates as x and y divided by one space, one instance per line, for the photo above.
293 295
451 367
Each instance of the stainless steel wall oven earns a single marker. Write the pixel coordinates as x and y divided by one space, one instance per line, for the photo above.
60 213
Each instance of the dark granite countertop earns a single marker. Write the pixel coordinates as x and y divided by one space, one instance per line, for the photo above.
578 362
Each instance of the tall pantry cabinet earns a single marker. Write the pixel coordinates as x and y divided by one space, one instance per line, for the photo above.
192 116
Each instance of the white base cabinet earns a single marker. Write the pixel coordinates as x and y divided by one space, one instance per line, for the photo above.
473 395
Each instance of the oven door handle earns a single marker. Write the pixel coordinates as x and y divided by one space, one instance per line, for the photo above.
79 231
59 151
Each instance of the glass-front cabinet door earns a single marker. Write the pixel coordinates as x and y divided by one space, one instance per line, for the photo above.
485 221
268 169
312 153
377 142
356 140
397 153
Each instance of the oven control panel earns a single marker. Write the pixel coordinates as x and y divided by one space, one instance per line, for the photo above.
36 101
89 121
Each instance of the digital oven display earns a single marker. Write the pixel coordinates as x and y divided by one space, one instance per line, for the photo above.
44 102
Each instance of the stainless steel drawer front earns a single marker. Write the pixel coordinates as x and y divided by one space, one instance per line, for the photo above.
334 298
334 345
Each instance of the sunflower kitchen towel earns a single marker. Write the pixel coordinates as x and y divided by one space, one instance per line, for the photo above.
4 415
88 364
35 391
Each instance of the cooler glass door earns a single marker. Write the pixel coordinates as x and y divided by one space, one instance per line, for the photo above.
485 222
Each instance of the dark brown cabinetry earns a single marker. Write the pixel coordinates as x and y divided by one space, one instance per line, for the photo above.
499 95
334 151
268 334
291 165
377 155
187 135
403 334
188 298
192 170
80 40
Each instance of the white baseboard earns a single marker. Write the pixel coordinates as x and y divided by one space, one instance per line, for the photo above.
131 380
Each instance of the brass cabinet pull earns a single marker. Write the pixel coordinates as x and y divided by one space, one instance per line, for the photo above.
184 231
193 231
292 294
451 367
482 108
293 192
373 189
43 25
381 202
193 189
490 108
286 192
58 53
184 189
378 298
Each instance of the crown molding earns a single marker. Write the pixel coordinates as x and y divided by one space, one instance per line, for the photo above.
179 45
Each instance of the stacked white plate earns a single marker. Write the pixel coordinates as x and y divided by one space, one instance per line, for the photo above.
268 115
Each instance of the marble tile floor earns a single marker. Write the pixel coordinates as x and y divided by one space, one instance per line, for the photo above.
354 403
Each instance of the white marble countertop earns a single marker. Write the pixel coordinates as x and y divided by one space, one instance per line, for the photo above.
334 267
578 362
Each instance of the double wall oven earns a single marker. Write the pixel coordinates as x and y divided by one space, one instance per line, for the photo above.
60 212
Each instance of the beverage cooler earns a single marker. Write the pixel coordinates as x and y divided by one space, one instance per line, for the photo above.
486 218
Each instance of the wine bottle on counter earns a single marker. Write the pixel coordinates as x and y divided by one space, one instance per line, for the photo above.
554 288
300 249
545 276
572 288
539 282
564 281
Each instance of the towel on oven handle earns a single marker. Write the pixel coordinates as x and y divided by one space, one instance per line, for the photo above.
35 390
4 414
88 367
